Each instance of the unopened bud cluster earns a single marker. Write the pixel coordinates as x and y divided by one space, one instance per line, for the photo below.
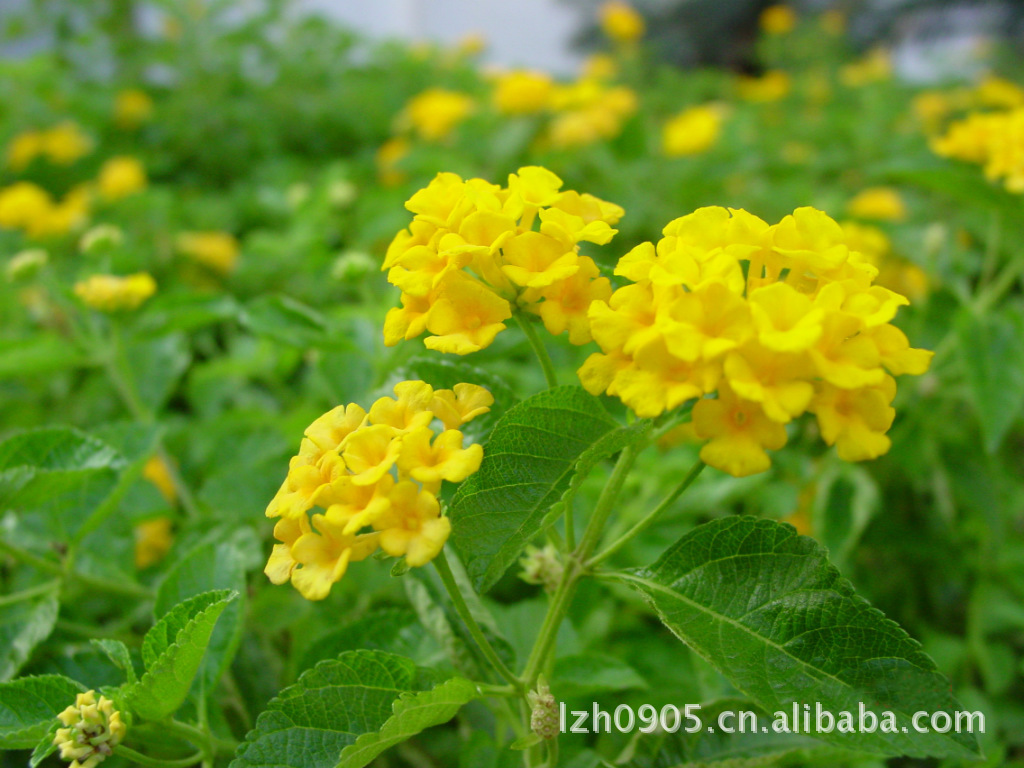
92 729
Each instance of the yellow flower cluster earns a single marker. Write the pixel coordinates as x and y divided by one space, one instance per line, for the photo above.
877 203
216 250
471 257
92 728
994 140
377 476
120 177
434 113
132 108
620 22
522 92
800 328
778 20
589 110
110 293
773 85
692 131
63 144
30 208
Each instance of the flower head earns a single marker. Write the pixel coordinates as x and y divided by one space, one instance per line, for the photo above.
621 22
434 113
110 293
377 476
775 321
92 728
522 92
778 20
216 250
878 203
692 131
132 108
120 177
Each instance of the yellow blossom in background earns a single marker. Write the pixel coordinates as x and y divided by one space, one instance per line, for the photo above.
588 111
159 474
23 149
376 475
61 145
153 540
878 203
28 207
771 86
92 728
110 293
522 92
388 155
434 113
120 177
778 20
692 131
472 257
994 140
620 22
599 66
774 320
472 44
132 108
894 273
216 250
999 93
874 67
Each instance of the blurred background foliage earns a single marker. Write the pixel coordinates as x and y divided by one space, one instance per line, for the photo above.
292 136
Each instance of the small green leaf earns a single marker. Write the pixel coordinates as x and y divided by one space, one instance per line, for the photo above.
992 346
766 608
173 650
26 619
290 322
29 706
528 465
590 673
343 713
118 654
525 742
46 745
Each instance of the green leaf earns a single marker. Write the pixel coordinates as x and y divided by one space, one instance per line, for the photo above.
43 353
211 565
46 746
29 705
528 465
172 650
766 608
290 322
395 630
26 619
118 654
589 673
157 365
346 712
57 448
992 346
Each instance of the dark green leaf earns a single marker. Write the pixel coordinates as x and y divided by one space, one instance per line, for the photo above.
765 607
29 705
118 653
528 464
25 621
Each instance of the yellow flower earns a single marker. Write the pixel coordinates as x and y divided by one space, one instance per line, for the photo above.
771 86
153 540
471 258
377 475
522 92
435 113
692 131
92 728
589 110
65 143
389 154
772 340
856 420
216 250
132 108
878 203
23 149
778 20
599 66
872 68
120 177
23 205
471 44
999 92
159 474
110 293
621 22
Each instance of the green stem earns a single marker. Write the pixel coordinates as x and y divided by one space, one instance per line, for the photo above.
448 578
39 563
155 762
539 349
566 590
28 594
643 524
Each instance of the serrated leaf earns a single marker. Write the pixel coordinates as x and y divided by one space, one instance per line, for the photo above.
347 711
29 705
57 448
589 673
767 609
25 621
211 565
395 630
172 650
992 346
118 654
527 467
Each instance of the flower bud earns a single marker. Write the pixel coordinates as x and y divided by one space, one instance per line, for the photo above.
92 730
341 193
100 238
543 711
541 566
352 266
25 265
